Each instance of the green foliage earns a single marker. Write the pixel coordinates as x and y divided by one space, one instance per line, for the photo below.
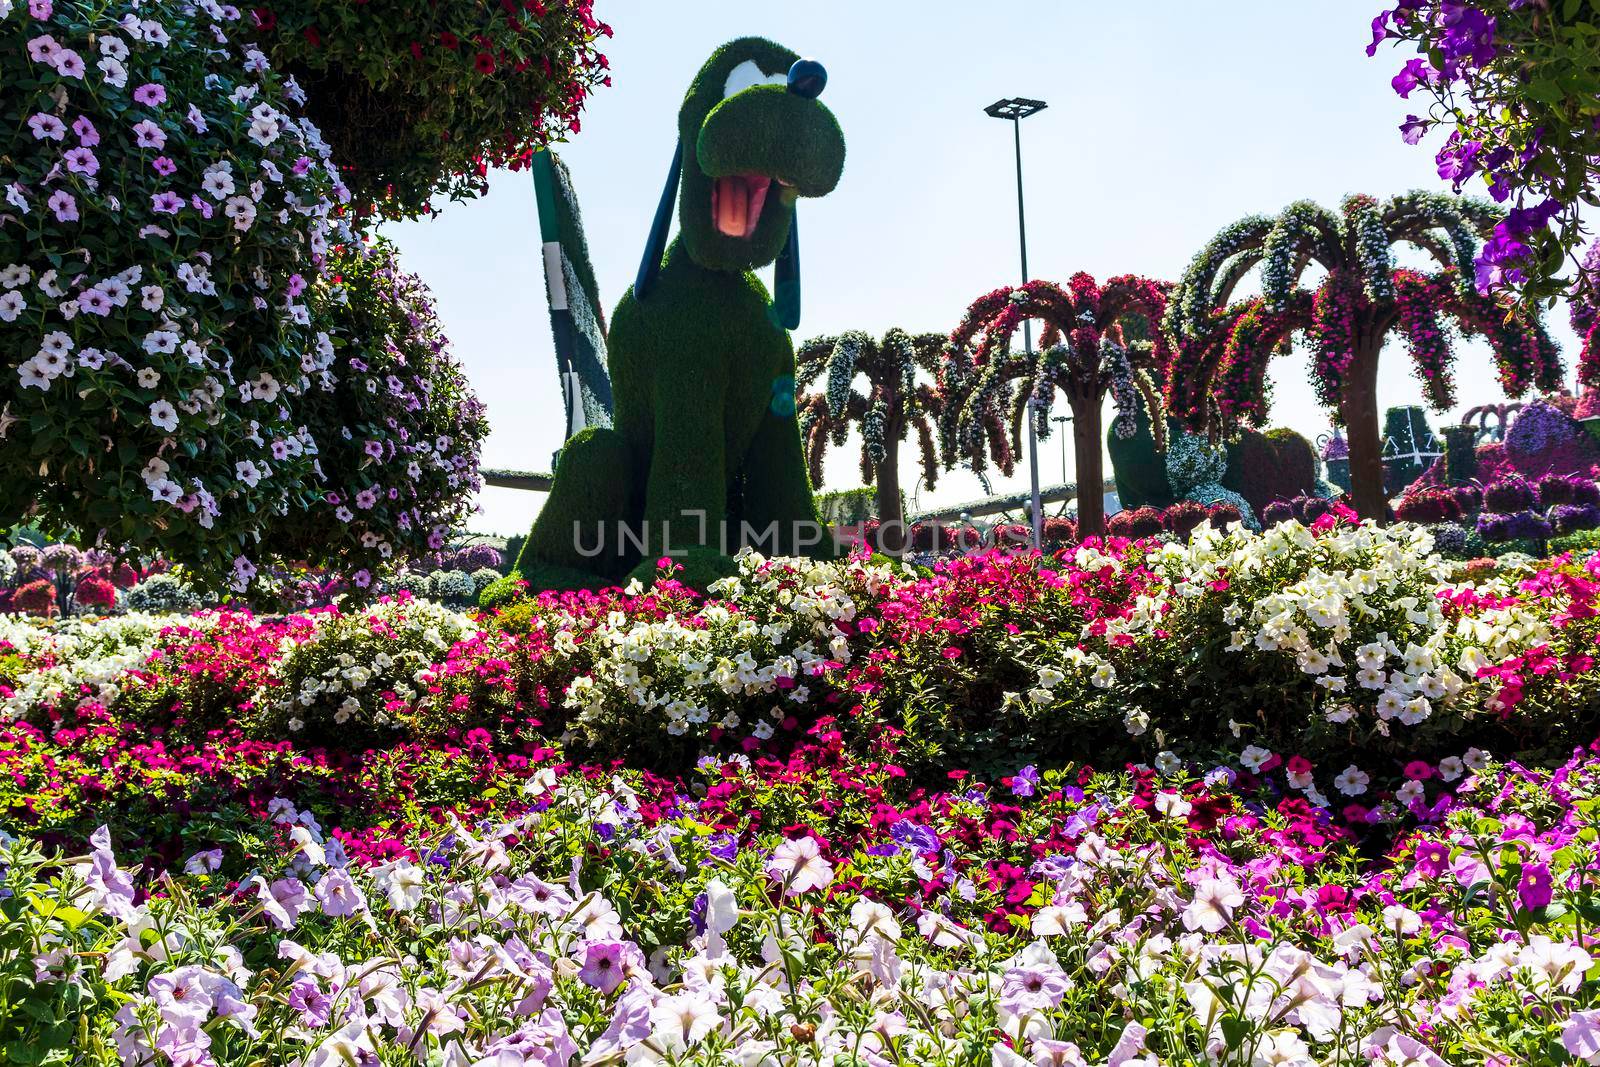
500 592
845 507
1460 455
1581 544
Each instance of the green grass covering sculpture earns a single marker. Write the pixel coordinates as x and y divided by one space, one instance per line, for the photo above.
705 446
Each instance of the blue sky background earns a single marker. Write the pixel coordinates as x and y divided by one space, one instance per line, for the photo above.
1167 121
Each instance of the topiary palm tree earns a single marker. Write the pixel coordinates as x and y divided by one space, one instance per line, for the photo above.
1087 348
894 404
1218 376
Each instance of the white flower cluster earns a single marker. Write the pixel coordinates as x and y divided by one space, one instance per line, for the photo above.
1359 609
348 668
695 672
76 659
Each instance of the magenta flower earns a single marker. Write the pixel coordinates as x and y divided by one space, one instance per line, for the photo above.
88 136
166 203
163 166
1535 889
607 963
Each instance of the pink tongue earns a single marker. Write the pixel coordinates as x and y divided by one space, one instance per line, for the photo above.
736 203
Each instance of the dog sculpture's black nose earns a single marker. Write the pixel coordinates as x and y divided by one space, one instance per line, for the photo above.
807 78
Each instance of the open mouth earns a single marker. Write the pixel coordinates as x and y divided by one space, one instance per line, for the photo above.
736 203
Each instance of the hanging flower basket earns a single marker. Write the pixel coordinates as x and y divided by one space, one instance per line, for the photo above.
423 100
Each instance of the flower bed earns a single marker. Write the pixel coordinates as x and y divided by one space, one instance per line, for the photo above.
780 911
1305 651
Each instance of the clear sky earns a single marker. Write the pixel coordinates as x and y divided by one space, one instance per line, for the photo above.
1167 120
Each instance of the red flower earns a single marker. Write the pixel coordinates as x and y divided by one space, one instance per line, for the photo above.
484 63
416 50
450 40
313 36
265 19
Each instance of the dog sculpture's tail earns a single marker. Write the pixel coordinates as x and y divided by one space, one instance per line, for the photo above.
577 320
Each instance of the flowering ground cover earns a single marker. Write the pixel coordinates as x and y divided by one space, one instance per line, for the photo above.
796 912
1249 798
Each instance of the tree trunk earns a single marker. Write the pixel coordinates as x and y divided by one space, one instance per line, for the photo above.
891 519
1358 406
1087 456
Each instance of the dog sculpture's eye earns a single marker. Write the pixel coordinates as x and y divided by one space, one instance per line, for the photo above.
747 75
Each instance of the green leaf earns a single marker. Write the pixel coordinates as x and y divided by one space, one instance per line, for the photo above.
1235 1030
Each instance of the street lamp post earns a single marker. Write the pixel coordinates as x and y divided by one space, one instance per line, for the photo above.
1061 422
1016 109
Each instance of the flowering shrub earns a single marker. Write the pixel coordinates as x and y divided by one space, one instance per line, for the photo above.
426 100
1517 510
162 594
1501 73
1428 505
1336 643
398 428
348 677
164 207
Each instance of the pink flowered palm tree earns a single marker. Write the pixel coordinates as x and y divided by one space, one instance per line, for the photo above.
1218 378
1086 350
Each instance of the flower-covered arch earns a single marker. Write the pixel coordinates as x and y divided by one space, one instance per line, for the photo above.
1218 379
1084 351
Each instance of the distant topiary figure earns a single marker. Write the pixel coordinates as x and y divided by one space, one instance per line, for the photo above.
1139 469
1276 465
1408 447
1195 468
705 441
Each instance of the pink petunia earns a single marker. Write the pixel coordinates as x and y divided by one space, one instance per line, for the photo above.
148 135
47 127
82 161
42 49
65 207
150 94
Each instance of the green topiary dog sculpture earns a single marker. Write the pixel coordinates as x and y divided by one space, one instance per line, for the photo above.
705 452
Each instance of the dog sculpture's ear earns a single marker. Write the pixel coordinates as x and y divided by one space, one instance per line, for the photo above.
656 246
786 298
